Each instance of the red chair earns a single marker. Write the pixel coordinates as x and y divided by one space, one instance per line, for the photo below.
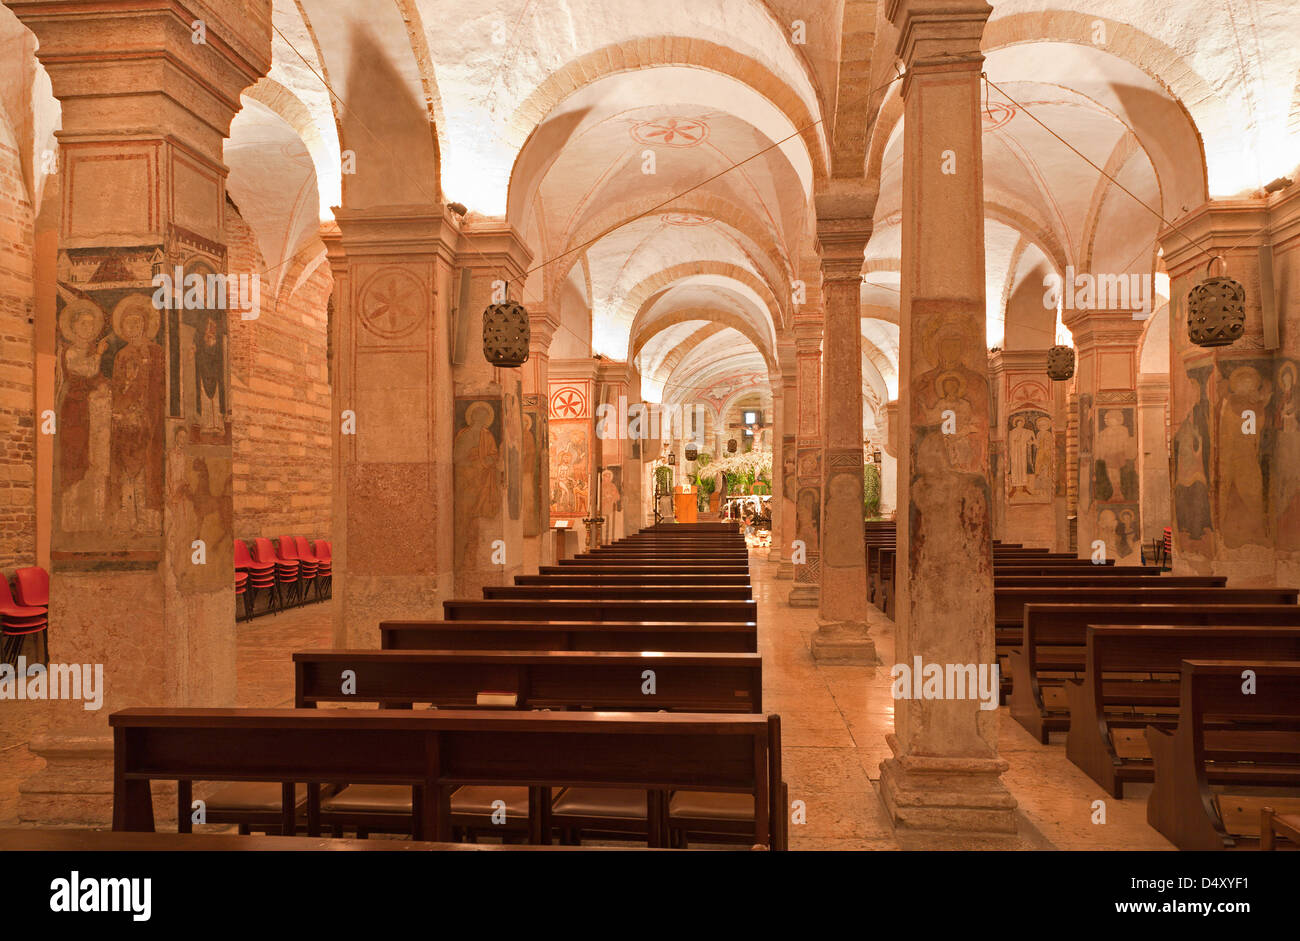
310 564
286 571
261 577
286 553
19 620
241 591
324 565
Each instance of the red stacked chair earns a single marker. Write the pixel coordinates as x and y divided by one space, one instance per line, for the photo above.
306 565
286 570
324 552
241 591
261 576
286 553
18 619
310 564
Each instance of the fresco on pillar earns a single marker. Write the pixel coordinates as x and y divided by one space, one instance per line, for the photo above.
1191 464
1284 442
1031 456
477 475
950 497
1115 481
789 470
611 500
511 433
808 499
1245 446
1085 450
534 472
570 473
110 398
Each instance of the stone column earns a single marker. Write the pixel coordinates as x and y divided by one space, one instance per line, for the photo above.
574 447
141 550
487 423
1109 509
1025 433
778 475
889 462
808 462
613 449
784 450
392 491
1233 409
1153 454
535 465
945 772
843 227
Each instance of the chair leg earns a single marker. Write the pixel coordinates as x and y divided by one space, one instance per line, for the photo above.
45 645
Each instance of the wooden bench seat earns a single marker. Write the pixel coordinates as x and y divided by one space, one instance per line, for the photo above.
730 636
27 840
1053 648
1205 773
609 680
1129 682
651 570
685 579
672 609
436 752
1108 581
602 592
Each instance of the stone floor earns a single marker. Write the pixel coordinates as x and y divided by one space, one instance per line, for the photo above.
834 721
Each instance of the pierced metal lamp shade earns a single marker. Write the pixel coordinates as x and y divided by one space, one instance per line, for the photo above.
1216 312
731 446
692 452
1060 363
506 334
672 457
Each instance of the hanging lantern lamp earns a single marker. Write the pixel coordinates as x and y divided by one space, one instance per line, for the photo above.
506 334
731 446
692 452
1216 310
1060 363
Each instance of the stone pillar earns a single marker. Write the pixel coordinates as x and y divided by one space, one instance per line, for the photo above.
574 448
889 462
392 489
843 227
487 426
535 467
1109 509
945 772
808 462
614 450
778 473
1233 409
784 437
634 452
1025 432
141 549
1153 454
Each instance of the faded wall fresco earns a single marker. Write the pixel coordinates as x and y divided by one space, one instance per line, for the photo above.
1191 459
1241 453
476 470
570 468
534 474
1031 457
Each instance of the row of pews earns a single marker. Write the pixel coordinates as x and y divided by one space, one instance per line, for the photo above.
1184 682
614 696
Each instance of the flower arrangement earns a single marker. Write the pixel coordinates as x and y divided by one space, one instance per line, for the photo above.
743 470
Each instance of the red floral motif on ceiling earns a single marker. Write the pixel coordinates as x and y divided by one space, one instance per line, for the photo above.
671 132
686 218
996 114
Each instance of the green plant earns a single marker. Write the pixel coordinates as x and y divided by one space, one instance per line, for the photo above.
870 491
663 480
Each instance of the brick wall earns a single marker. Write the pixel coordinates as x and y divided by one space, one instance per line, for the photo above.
280 398
17 369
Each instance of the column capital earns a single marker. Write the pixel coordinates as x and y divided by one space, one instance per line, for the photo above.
394 230
115 65
1103 328
494 244
1217 225
938 35
844 221
808 335
541 327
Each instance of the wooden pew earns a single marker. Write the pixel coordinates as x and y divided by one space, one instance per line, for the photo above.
1090 580
602 592
723 576
734 636
1110 702
1272 825
552 679
682 579
1009 606
705 682
652 565
1054 645
27 840
673 609
1241 742
435 752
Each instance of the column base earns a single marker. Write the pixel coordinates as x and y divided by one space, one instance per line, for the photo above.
785 569
958 795
74 789
844 642
774 554
804 595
